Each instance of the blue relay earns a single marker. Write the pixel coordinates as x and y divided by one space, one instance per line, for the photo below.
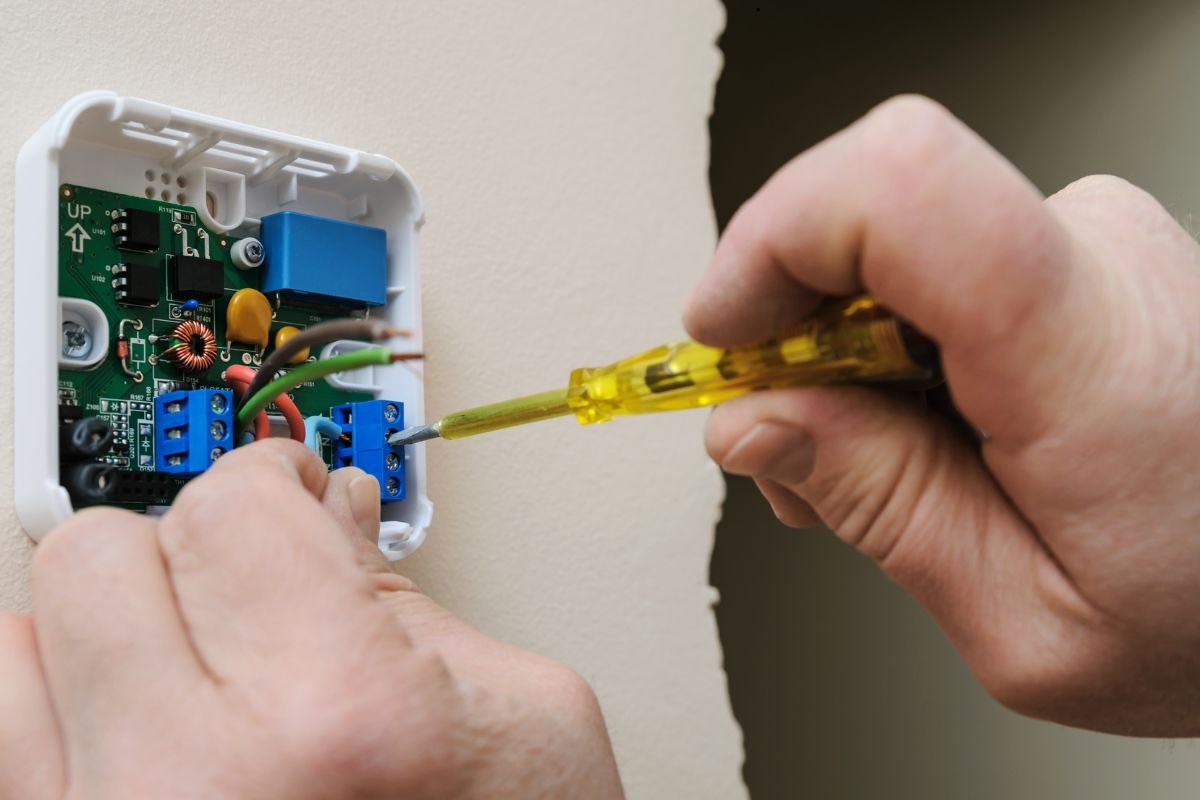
192 429
324 261
363 443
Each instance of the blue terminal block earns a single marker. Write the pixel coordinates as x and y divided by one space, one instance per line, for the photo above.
192 429
324 261
363 443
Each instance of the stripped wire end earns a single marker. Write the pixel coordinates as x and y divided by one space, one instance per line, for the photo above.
406 357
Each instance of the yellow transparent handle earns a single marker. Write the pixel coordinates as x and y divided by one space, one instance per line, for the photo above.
848 340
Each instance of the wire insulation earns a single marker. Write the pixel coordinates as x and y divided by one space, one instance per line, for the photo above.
314 336
262 425
315 428
311 371
287 407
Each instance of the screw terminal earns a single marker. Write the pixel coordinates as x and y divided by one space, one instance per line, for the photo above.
363 443
192 429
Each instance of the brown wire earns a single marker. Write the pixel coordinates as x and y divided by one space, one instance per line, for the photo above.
196 347
314 336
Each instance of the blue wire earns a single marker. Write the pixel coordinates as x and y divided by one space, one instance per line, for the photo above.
315 428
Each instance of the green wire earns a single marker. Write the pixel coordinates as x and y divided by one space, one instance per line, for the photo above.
310 372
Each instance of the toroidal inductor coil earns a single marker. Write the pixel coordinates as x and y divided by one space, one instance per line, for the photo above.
195 348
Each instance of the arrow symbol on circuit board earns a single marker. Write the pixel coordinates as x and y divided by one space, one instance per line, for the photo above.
78 236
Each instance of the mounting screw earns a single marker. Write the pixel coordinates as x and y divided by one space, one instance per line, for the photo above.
217 404
392 462
216 453
77 340
392 487
391 413
217 430
247 253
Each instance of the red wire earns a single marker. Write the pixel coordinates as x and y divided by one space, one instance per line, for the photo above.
287 406
262 424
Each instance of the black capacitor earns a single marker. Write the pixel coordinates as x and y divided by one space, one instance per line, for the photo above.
89 482
84 439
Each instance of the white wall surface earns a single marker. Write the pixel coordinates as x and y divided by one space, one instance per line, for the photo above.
561 150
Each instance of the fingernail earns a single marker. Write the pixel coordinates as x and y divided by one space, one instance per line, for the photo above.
363 493
774 450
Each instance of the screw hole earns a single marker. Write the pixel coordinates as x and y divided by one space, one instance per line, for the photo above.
149 174
181 181
166 177
150 191
166 194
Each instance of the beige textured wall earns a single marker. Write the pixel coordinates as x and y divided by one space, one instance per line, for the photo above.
561 151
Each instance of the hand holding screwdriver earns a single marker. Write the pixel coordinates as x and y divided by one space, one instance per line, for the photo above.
1060 556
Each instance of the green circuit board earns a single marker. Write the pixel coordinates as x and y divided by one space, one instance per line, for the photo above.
88 253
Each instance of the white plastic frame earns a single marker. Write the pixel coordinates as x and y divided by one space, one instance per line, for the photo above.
102 140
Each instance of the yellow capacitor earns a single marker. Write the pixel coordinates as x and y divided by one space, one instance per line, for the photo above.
248 318
281 337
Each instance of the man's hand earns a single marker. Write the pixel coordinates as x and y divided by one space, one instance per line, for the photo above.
253 644
1062 558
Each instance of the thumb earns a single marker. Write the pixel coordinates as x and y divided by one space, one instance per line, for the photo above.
905 489
866 463
352 497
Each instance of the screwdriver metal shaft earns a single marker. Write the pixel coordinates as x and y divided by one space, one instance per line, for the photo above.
856 340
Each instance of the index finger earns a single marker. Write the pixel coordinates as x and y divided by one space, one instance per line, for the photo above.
907 204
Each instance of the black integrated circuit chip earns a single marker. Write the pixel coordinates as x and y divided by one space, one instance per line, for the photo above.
196 277
135 229
136 284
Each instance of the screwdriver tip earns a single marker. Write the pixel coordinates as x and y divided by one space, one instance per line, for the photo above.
418 433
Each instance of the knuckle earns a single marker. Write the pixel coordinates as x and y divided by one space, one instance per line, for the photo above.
229 489
909 134
200 503
353 737
87 536
1023 663
1018 679
195 503
569 691
1102 187
1107 207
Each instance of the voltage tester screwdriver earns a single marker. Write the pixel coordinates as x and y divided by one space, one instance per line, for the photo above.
844 341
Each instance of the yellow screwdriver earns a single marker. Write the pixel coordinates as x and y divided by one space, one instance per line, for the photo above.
854 340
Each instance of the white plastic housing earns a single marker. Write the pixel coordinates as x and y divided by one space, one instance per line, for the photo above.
233 174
